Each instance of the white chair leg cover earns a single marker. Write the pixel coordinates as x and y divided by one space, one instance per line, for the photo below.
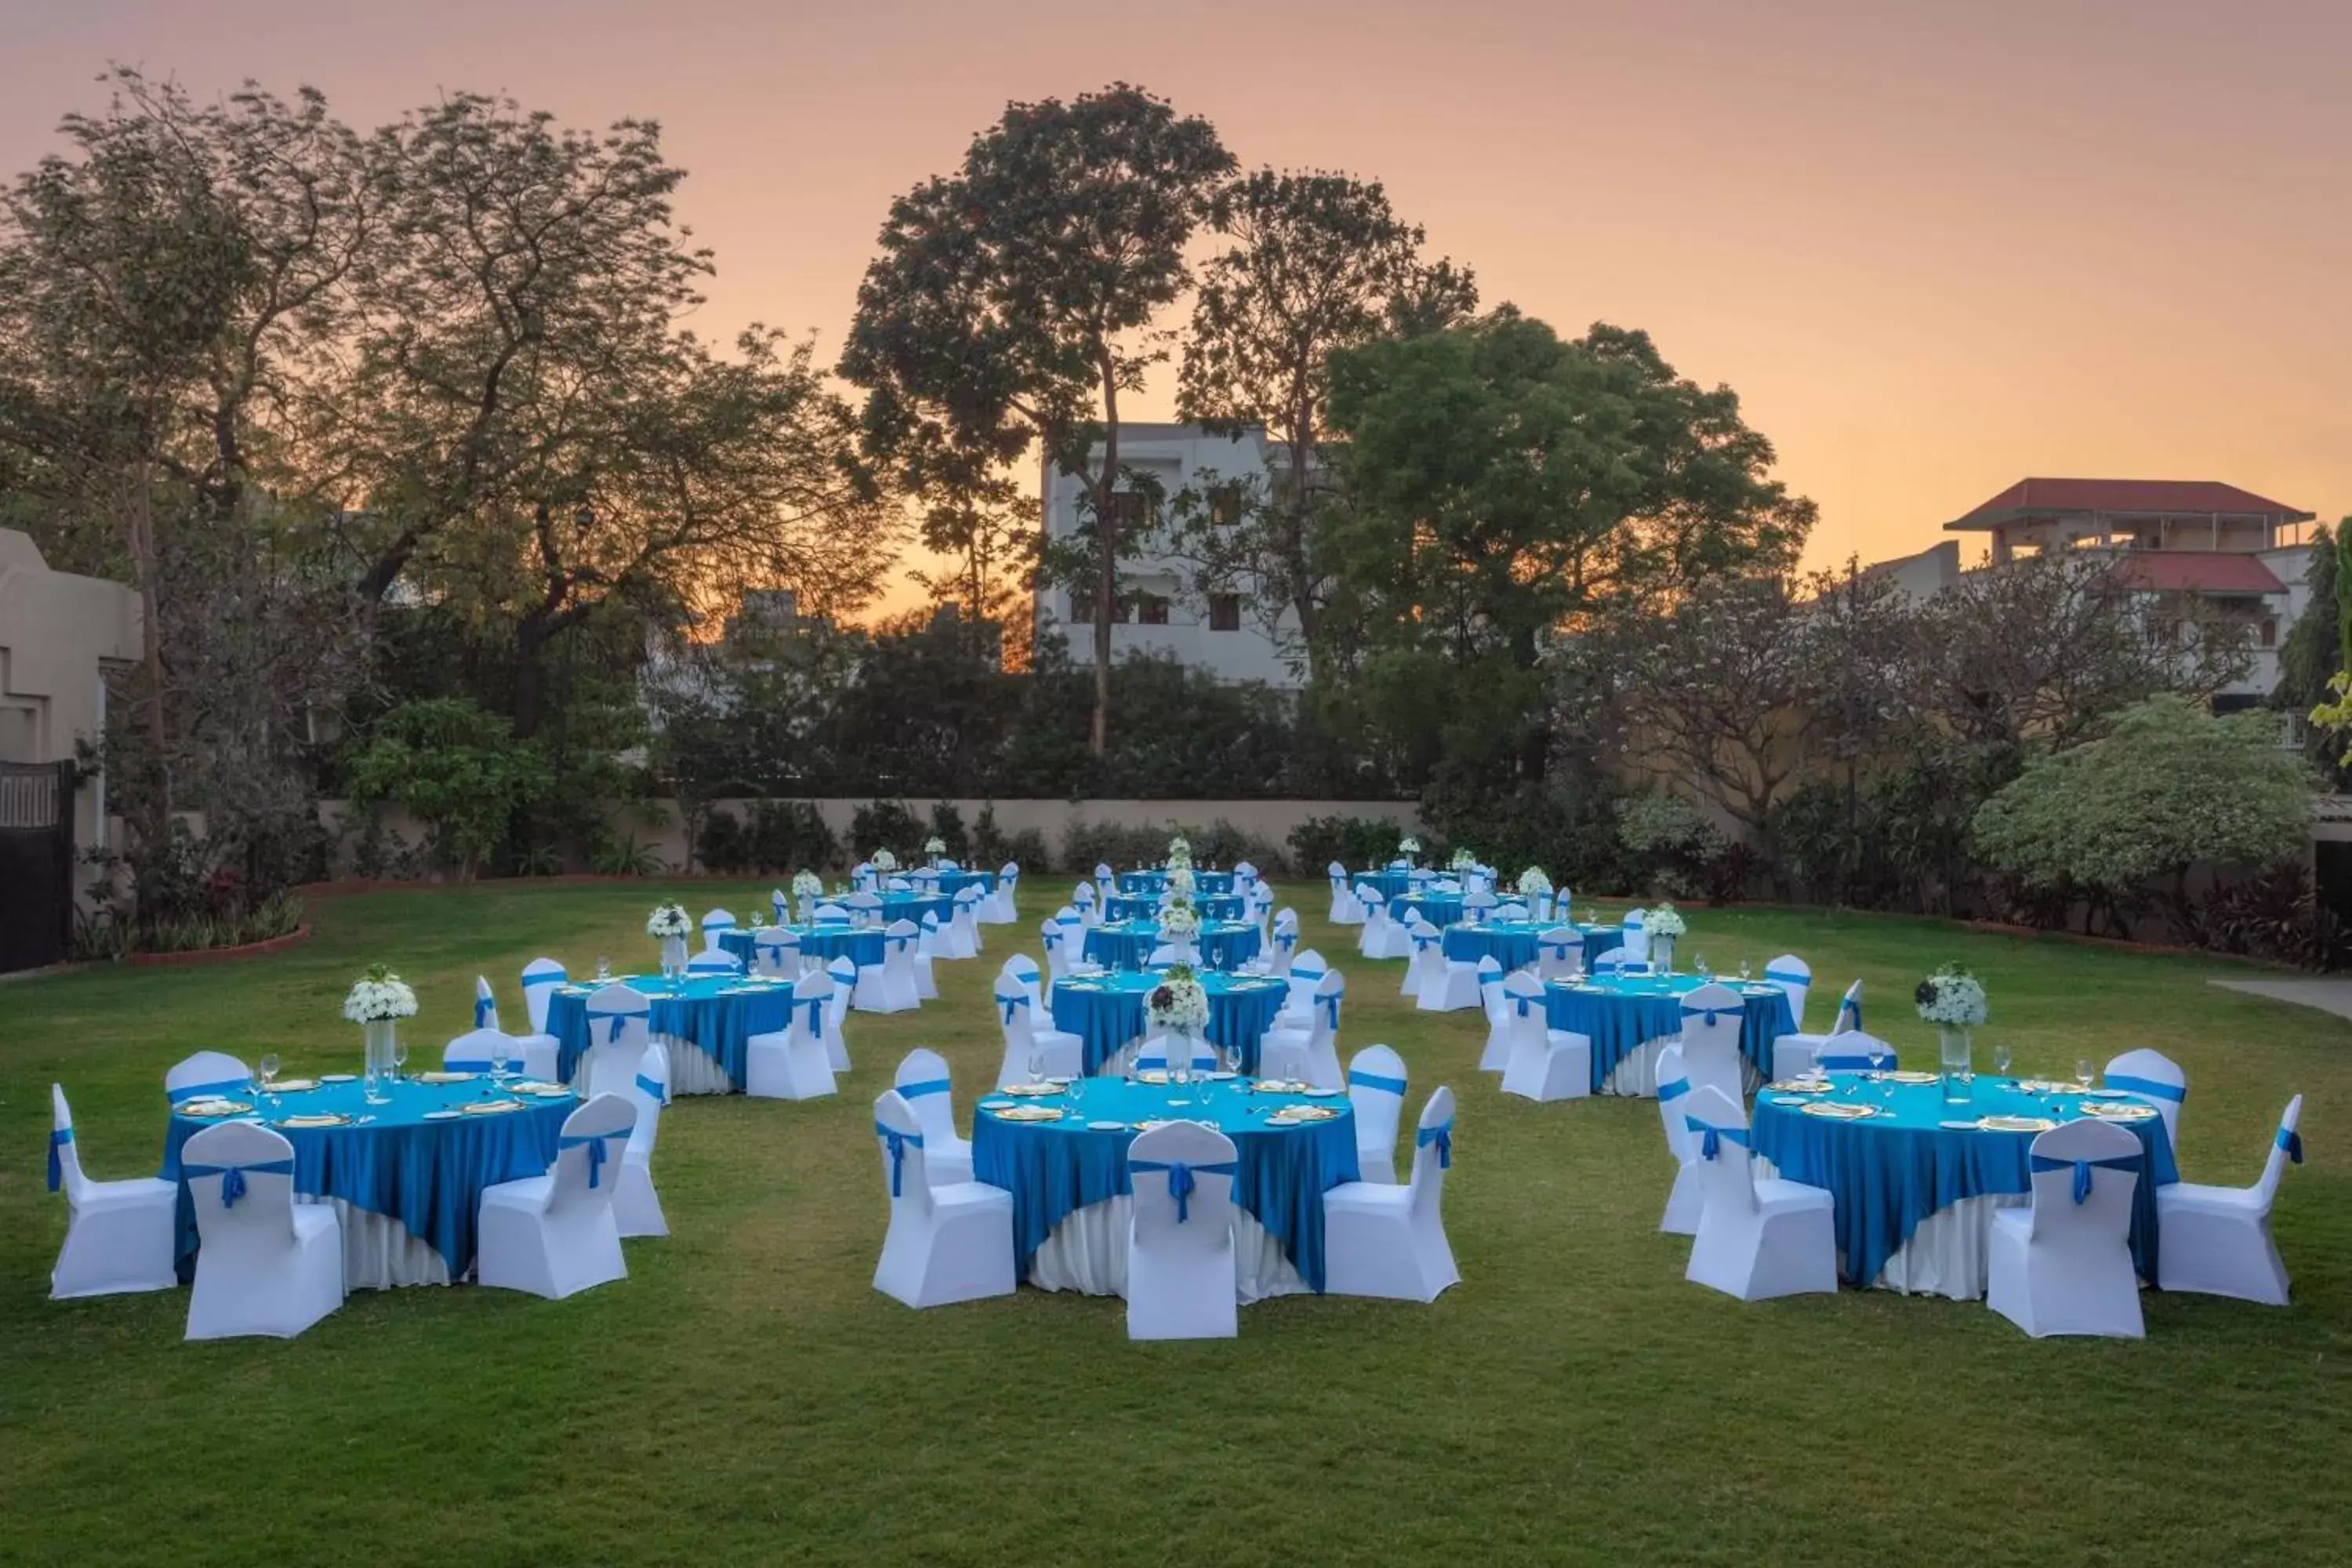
1455 987
927 984
1180 1272
1685 1202
119 1237
789 1064
556 1234
1377 1242
961 1251
2217 1242
2051 1290
1549 1064
1786 1247
637 1207
266 1265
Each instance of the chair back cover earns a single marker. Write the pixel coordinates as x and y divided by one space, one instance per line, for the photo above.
1182 1174
1328 991
2084 1174
1433 1153
486 1004
203 1073
924 1083
898 1133
618 1016
777 951
2286 1145
1712 1017
241 1181
588 1152
476 1050
540 977
1673 1092
2153 1078
1795 977
713 961
1715 1131
716 923
648 1092
64 1154
1377 1081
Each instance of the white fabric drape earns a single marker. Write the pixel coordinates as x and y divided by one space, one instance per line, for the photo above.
1087 1252
1946 1254
1637 1075
693 1070
379 1252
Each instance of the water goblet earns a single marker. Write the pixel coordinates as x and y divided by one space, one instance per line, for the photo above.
1698 966
2085 1072
2001 1057
1746 970
269 1076
499 1064
399 1057
604 971
1077 1090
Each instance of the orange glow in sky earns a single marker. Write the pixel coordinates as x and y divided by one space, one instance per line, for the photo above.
1936 247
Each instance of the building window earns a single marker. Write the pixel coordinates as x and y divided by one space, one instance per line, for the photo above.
2270 632
1124 509
1224 612
1151 610
1225 510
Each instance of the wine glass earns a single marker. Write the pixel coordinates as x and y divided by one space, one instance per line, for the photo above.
2000 1059
1036 1063
399 1057
269 1076
498 1063
1077 1090
2085 1072
1698 966
604 971
1746 970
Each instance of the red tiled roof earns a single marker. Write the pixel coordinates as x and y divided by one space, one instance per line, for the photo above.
2197 571
2029 498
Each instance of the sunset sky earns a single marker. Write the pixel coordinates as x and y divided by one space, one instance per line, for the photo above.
1936 248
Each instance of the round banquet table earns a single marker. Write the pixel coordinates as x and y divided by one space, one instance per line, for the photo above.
715 1014
406 1189
1511 943
1070 1183
1914 1199
1105 1010
913 907
1127 945
1211 907
1393 883
954 882
1599 939
1440 910
1629 1018
861 944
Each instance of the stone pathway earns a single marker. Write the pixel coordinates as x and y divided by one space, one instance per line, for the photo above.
2327 995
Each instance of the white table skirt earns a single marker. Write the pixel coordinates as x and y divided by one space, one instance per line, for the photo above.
1637 1075
379 1252
1946 1254
693 1070
1087 1252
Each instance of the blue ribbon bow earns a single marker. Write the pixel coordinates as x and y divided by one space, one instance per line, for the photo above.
897 1142
778 901
1711 1137
817 1015
2082 1182
1850 1011
594 1143
1714 1016
233 1176
1286 938
1180 1182
1673 1088
1012 1005
63 1136
485 1009
2152 1088
617 1022
1331 1005
2288 1138
1525 1004
1443 1136
1374 1080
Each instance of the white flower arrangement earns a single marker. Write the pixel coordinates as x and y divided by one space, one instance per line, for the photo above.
1178 1001
1180 881
1464 861
884 860
1179 920
935 845
379 995
668 921
1179 844
1408 845
807 884
1532 882
1951 998
1665 921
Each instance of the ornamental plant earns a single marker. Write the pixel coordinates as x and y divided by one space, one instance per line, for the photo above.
668 921
1951 998
1665 921
379 994
1178 1001
1533 881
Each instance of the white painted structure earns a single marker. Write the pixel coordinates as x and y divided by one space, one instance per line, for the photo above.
58 632
1227 640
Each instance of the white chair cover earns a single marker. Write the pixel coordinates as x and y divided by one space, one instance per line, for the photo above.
923 1082
1180 1256
265 1264
637 1207
946 1242
619 1030
1389 1241
2153 1078
1377 1082
555 1234
794 1062
2063 1265
1756 1238
120 1236
2217 1241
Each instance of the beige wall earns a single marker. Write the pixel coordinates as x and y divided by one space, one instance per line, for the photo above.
57 631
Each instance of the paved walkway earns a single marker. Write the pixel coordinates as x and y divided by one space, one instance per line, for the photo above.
2327 995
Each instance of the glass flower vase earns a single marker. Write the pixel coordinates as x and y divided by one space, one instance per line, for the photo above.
381 1035
673 957
1953 1054
1661 954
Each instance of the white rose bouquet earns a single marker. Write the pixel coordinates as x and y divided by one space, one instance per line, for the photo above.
1180 920
1180 881
935 846
1665 921
884 861
668 921
1533 883
379 995
807 884
1464 861
1951 998
1408 845
1178 1001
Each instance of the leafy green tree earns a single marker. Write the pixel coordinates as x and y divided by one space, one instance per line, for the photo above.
455 767
988 525
2168 786
2311 653
1315 263
1013 300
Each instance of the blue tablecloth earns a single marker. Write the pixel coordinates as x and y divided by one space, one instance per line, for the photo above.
1599 939
1107 1012
1392 884
718 1013
913 907
1054 1168
827 942
1127 945
954 882
1440 910
1213 907
428 1175
1891 1171
1153 883
1622 1016
1511 943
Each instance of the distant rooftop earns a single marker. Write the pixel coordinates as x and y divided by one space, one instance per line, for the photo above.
2147 498
2200 571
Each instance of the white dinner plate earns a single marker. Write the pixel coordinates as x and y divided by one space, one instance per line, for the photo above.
1107 1126
443 1115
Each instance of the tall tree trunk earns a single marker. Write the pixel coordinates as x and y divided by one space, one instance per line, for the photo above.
1302 586
140 535
1106 548
529 676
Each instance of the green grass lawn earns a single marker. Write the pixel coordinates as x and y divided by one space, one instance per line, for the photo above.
745 1396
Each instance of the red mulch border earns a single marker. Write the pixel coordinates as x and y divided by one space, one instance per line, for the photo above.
222 955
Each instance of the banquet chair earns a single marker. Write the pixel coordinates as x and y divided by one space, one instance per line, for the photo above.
1453 982
1794 1055
794 1062
205 1073
1375 1088
1305 972
1083 900
1181 1282
1544 1063
1151 1054
1712 1018
1794 977
776 952
477 1050
1636 945
843 971
715 924
1073 938
1003 907
1345 911
961 939
265 1264
1687 1196
1512 911
1496 1055
637 1207
864 907
873 992
120 1236
899 884
1559 953
1479 904
830 913
2217 1241
1106 885
1756 1238
1427 964
929 939
901 991
1167 952
486 1004
533 1055
541 977
1389 1241
948 1242
1854 1051
1284 945
714 960
1311 1054
923 1082
556 1234
2063 1265
1382 937
1031 1052
1057 963
2153 1078
619 1027
1024 968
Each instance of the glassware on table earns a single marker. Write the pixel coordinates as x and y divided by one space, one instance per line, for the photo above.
604 971
1746 971
1076 1090
268 1075
2000 1059
499 1060
399 1057
2084 1073
1699 967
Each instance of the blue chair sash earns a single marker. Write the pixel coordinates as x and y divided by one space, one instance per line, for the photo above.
485 1009
1012 1005
1714 1016
1307 972
928 1086
1180 1182
1711 1137
1443 1136
655 1089
1331 1005
618 1022
233 1176
897 1142
2152 1088
1850 1014
187 1091
815 1015
1788 977
2288 1138
544 979
1374 1080
63 1136
2082 1183
1673 1088
1525 1004
594 1143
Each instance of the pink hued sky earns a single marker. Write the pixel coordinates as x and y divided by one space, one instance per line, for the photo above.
1936 247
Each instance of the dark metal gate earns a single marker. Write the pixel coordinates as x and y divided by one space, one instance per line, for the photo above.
37 810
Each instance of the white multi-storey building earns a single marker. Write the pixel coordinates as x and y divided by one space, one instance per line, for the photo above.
1159 614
